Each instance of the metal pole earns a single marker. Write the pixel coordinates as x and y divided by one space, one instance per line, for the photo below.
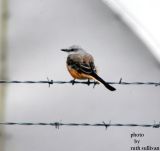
3 52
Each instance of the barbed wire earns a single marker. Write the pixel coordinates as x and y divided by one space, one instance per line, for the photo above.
94 83
59 124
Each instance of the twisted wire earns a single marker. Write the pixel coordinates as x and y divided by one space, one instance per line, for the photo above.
51 82
59 124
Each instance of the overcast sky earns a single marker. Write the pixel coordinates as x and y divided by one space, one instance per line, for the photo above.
37 31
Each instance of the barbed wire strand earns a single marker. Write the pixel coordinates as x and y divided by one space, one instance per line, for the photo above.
51 82
57 125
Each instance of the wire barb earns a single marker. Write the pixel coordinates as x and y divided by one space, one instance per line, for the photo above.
49 82
57 125
107 125
155 125
120 81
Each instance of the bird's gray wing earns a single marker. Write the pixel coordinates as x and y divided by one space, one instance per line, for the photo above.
81 67
87 68
82 64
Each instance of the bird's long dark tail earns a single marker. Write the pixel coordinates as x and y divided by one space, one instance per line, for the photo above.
103 82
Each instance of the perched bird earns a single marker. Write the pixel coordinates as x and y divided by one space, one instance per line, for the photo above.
80 65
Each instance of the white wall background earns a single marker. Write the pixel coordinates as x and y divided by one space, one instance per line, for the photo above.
37 31
142 17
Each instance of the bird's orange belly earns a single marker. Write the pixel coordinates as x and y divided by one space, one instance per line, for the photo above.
76 75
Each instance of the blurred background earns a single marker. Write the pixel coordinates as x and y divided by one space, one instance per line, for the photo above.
123 36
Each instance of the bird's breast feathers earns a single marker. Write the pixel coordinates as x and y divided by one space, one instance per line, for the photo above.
78 75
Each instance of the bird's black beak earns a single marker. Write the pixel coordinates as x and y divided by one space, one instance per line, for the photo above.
66 50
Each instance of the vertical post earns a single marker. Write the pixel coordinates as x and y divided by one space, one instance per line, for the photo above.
3 52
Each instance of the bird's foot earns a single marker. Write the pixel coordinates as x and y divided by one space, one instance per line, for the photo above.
88 82
73 81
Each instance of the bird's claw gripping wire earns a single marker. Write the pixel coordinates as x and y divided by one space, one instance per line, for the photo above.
73 81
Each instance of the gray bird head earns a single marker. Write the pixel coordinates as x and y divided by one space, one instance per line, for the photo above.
73 49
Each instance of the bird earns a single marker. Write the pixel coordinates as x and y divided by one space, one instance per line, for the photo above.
80 65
